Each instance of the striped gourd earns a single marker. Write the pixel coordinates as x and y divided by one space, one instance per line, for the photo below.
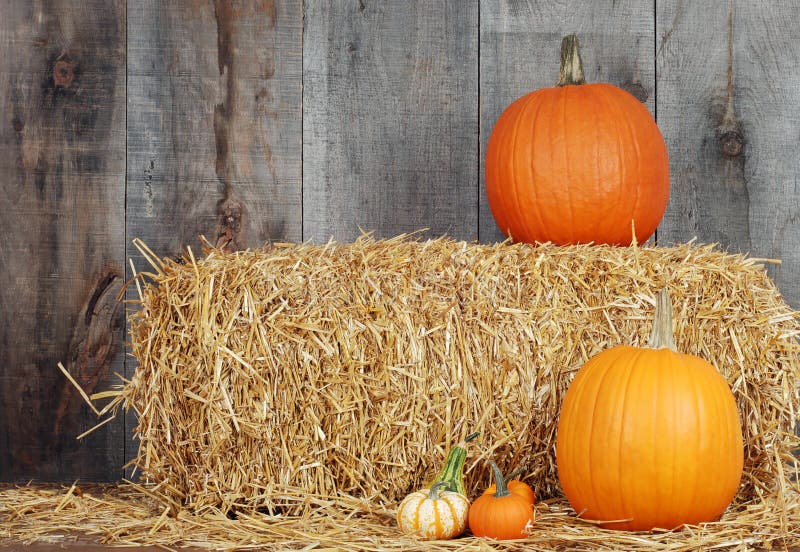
433 514
452 472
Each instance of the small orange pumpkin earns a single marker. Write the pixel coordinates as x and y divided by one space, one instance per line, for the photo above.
649 437
577 163
502 514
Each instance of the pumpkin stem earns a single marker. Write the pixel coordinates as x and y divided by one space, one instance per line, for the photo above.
499 481
571 70
515 473
434 493
662 336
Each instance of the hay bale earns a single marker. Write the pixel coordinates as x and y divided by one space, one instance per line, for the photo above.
280 378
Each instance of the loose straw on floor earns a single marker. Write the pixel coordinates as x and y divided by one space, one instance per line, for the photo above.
126 515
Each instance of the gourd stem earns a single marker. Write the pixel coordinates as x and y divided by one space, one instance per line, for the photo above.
571 70
434 493
662 336
471 436
501 489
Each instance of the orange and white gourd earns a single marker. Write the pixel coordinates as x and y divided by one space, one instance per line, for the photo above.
433 514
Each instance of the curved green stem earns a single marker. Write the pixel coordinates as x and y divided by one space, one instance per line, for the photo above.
471 436
499 481
434 493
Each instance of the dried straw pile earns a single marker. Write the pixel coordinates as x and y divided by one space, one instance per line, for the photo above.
288 397
350 369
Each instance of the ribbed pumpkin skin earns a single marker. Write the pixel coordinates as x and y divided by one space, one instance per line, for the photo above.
501 518
443 518
576 164
649 435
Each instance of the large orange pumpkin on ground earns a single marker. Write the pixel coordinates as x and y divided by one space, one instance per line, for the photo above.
648 437
577 163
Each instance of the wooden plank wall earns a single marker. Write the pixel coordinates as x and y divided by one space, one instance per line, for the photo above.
62 252
255 120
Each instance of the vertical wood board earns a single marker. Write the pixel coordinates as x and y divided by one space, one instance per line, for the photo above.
62 161
390 112
214 123
728 106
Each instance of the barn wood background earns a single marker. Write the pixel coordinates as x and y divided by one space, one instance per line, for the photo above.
276 120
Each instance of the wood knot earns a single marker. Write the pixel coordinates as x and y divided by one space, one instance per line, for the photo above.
229 226
93 344
731 143
63 73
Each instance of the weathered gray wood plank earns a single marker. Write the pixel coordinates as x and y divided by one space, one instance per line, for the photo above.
62 167
214 142
390 117
520 43
728 94
214 125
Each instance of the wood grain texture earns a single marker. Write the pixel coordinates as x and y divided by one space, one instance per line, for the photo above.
520 44
390 114
728 106
258 120
214 125
62 161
